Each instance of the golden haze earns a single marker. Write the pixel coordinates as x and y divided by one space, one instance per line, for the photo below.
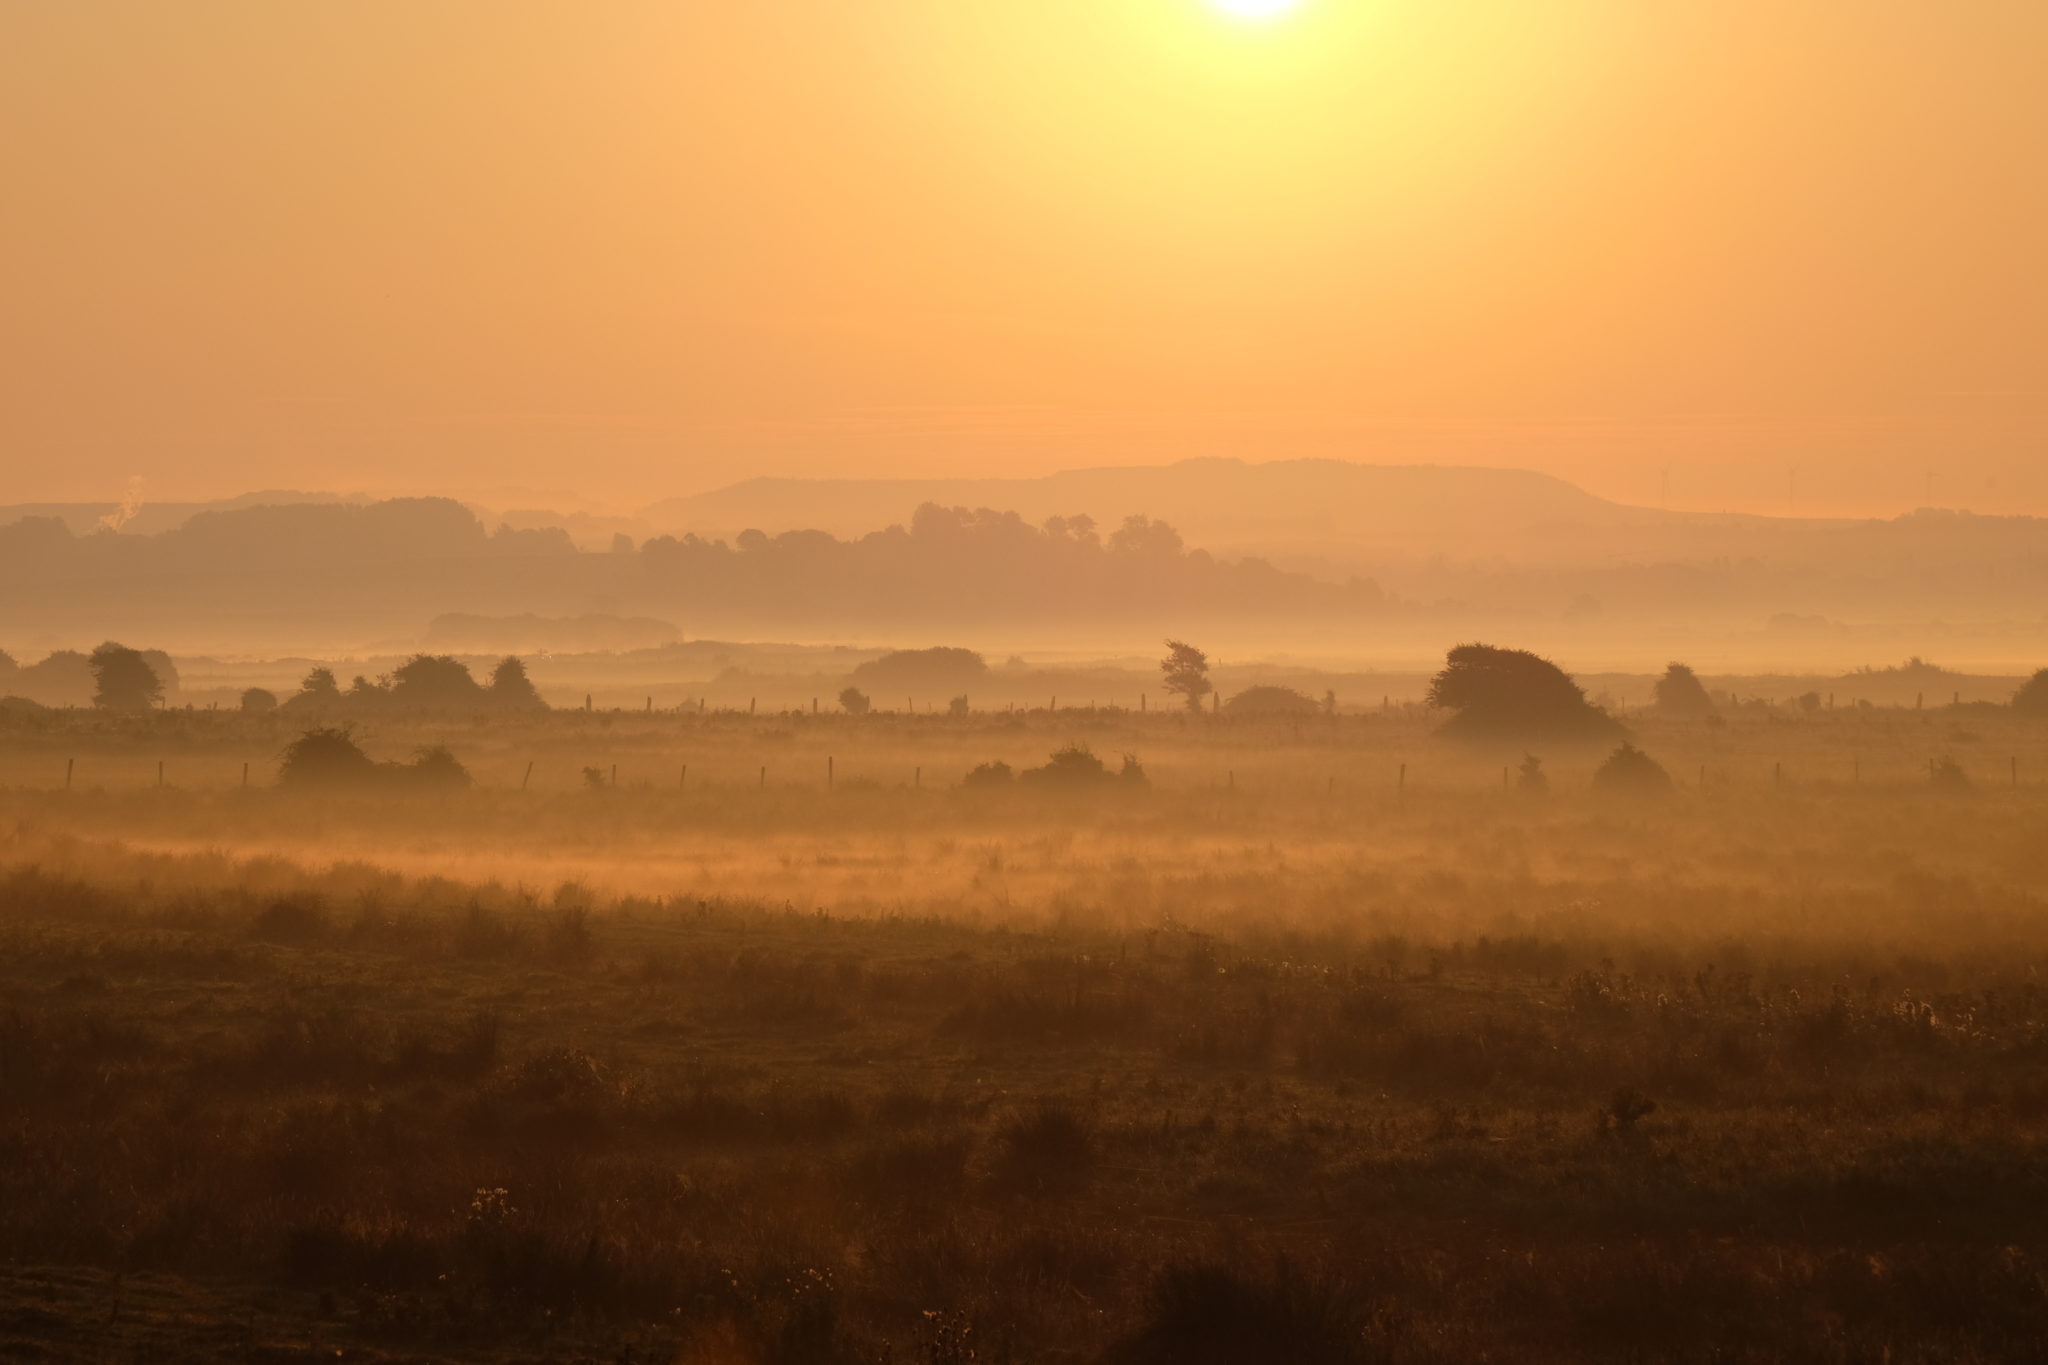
1784 250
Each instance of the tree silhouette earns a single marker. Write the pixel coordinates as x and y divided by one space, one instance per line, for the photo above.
435 682
1185 672
325 757
1680 692
123 679
994 773
1511 695
1629 771
329 757
2032 698
258 701
511 688
855 702
1268 700
437 767
318 691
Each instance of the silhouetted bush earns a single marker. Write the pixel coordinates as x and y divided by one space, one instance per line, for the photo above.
1680 692
123 680
1266 700
258 701
995 773
2032 698
1629 771
1513 695
1948 775
435 682
435 766
318 692
512 689
855 702
327 756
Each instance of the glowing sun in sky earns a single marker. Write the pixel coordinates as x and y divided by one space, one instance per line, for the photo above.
1255 9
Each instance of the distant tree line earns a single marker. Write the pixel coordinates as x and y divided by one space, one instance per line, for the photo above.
428 556
425 682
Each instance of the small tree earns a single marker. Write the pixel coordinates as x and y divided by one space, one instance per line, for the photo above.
1681 693
325 757
1268 700
1512 695
1948 776
258 701
855 702
1074 765
435 682
436 766
317 691
1629 771
123 679
2032 698
510 687
1532 780
1185 672
994 773
957 706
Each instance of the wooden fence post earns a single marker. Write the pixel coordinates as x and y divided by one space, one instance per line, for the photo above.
529 775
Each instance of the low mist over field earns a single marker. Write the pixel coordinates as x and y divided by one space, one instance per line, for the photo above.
1122 1003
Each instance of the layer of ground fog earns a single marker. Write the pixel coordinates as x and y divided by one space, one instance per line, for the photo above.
1276 1055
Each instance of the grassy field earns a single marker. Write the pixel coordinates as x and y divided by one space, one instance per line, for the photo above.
1282 1057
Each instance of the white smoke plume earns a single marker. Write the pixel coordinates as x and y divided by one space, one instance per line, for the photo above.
131 503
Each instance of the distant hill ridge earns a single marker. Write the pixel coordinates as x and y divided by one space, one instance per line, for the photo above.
1211 500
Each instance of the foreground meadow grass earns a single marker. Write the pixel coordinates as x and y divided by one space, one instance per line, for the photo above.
1201 1072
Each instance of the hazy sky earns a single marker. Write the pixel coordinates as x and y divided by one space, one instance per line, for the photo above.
1789 251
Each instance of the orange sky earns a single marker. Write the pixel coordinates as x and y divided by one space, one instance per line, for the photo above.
1790 251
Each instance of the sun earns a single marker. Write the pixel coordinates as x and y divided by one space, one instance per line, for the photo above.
1255 9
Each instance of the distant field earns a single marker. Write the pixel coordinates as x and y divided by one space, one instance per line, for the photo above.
1284 1054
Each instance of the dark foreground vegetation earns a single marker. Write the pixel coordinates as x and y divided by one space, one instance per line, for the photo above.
1461 1080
